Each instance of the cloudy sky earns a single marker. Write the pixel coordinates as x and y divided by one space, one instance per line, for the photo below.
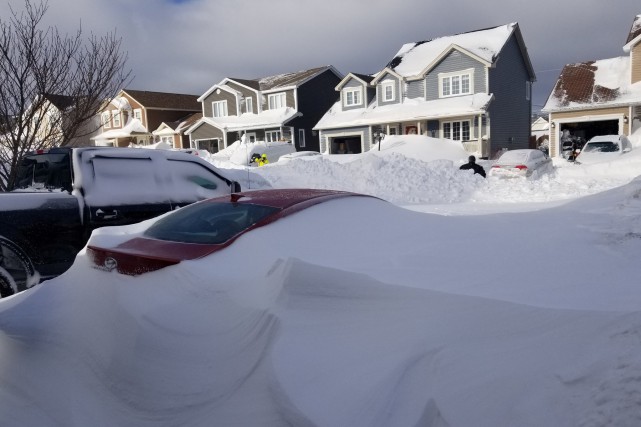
186 46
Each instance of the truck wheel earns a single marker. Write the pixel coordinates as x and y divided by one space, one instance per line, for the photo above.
16 270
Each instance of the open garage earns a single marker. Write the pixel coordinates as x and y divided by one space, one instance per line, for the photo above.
346 145
586 130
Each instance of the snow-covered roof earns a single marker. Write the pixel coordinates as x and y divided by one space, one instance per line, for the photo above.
634 35
276 82
414 59
248 121
410 109
603 83
133 127
178 126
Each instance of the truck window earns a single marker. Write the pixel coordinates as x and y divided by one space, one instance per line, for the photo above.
195 181
51 171
125 181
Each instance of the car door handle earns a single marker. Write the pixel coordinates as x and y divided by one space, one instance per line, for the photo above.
107 214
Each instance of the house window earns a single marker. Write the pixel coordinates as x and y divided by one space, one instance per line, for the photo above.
352 96
277 100
272 136
219 109
168 140
106 119
138 114
389 92
528 90
458 131
249 105
455 84
116 119
301 138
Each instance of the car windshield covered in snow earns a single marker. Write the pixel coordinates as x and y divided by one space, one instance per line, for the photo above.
208 222
601 146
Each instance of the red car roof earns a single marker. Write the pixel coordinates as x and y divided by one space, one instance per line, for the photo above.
282 197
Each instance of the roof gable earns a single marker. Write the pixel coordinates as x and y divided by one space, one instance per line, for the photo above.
386 72
364 79
180 125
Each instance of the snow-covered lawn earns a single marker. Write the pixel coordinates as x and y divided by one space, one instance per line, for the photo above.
463 302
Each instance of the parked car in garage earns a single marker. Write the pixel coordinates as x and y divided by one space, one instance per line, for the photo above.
204 228
604 148
521 163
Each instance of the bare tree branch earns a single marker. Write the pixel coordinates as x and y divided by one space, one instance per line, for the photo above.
51 86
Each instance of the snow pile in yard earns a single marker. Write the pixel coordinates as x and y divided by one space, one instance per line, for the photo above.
357 312
423 173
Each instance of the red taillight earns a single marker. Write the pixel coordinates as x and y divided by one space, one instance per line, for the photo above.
496 166
520 167
129 264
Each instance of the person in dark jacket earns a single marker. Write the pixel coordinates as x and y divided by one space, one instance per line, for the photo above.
471 164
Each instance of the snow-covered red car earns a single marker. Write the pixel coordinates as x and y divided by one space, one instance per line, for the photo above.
206 227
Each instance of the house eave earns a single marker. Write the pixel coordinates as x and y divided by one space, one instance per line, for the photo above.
590 107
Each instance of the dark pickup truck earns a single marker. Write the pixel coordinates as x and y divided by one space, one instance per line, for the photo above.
63 194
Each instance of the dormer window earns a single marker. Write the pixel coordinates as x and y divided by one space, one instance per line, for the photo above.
455 84
276 100
249 105
389 90
219 108
352 96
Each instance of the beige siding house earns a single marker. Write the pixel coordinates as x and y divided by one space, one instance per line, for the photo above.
598 97
131 116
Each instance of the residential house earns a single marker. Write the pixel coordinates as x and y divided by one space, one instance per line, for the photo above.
284 107
174 133
599 97
56 117
473 87
132 115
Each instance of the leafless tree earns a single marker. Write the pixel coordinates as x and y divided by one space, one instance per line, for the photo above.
52 85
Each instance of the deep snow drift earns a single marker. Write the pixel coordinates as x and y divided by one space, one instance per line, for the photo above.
358 312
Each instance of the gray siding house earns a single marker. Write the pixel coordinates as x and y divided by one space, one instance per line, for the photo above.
278 108
473 87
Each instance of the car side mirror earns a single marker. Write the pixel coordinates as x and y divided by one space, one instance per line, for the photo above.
235 187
